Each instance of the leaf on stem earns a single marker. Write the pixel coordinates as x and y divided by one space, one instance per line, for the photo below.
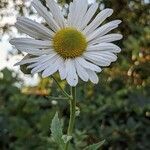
77 111
95 146
66 138
56 130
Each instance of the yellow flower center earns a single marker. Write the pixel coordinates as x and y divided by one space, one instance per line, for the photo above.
69 43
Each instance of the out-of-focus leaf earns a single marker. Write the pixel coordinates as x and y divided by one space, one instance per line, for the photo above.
66 138
95 146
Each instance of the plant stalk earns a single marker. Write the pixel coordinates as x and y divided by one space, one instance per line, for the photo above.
63 91
72 115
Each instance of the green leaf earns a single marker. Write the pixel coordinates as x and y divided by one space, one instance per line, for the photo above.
95 146
66 138
56 130
77 111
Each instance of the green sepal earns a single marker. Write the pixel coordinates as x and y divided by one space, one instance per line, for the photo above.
24 69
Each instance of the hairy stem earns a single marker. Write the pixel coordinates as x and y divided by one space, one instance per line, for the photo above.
63 91
72 114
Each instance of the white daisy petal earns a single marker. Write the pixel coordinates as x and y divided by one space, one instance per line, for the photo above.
56 12
62 71
71 14
92 76
107 38
81 72
98 20
30 32
82 13
33 51
53 67
87 64
44 63
88 16
34 26
45 58
80 10
30 43
103 54
98 60
27 61
103 30
72 77
76 4
45 14
32 65
108 55
104 47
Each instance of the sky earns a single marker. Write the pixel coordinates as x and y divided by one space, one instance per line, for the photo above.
9 60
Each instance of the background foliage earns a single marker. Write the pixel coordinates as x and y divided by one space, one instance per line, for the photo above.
117 109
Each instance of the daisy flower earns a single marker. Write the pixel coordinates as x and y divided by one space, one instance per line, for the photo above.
76 46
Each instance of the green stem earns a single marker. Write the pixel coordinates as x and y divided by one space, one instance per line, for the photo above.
72 99
63 91
72 114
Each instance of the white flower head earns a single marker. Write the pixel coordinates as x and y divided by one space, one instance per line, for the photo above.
76 46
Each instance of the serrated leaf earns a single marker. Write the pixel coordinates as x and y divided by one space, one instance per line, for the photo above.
95 146
66 138
56 130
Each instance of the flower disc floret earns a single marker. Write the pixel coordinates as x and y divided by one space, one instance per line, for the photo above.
69 43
